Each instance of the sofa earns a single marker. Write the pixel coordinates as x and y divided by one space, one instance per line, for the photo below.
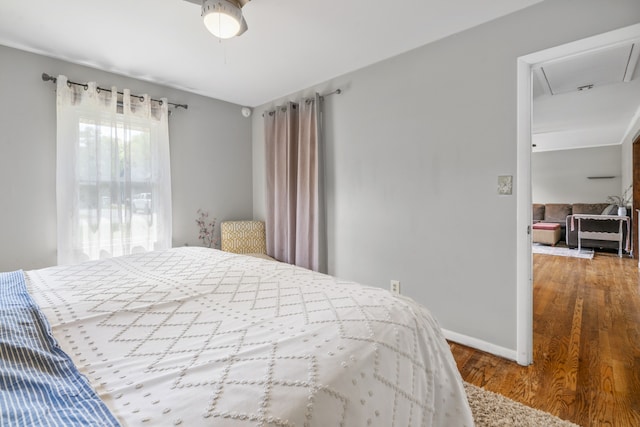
562 213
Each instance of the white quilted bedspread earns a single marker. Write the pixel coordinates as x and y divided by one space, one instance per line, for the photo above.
194 336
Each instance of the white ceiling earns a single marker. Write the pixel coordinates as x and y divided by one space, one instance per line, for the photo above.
565 117
290 44
294 44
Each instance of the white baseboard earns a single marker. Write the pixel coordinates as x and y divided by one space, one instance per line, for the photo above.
480 345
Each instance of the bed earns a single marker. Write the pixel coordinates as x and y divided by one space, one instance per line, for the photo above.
193 336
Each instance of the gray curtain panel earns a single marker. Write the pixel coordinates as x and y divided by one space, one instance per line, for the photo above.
293 180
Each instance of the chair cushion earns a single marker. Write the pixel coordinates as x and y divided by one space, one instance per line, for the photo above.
546 226
263 256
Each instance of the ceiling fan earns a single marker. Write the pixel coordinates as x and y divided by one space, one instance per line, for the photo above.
223 18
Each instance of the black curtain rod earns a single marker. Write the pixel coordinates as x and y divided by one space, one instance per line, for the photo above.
46 77
335 92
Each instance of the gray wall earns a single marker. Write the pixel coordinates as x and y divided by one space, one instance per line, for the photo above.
414 147
561 176
627 152
210 157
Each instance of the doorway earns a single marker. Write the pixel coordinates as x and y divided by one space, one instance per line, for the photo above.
636 195
524 262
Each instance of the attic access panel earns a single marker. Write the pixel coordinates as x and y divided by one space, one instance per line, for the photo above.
596 68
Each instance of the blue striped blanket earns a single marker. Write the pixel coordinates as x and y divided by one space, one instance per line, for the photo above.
39 384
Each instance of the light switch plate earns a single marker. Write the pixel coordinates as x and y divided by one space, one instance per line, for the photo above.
505 185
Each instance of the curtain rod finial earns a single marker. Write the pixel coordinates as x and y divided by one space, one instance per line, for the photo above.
46 77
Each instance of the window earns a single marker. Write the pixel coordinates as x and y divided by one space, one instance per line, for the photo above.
113 185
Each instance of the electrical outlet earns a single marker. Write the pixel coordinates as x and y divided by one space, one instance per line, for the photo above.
395 286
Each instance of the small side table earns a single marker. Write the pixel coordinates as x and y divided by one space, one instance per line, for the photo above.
604 235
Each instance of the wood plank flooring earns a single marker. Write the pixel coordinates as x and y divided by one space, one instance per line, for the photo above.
586 344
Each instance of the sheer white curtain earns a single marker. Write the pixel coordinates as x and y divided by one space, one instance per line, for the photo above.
113 175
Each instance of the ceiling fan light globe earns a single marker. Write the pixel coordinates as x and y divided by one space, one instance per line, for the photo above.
221 25
222 18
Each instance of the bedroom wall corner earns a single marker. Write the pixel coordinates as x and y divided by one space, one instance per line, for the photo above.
259 171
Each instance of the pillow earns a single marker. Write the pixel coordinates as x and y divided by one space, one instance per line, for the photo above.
610 210
588 208
556 212
538 212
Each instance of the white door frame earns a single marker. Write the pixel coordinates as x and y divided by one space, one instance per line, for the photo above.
524 259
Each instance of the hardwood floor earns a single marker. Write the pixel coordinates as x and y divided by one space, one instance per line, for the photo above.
586 344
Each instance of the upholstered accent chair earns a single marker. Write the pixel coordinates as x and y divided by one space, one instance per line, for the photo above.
244 237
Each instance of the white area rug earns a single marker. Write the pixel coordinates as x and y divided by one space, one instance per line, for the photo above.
562 251
494 410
